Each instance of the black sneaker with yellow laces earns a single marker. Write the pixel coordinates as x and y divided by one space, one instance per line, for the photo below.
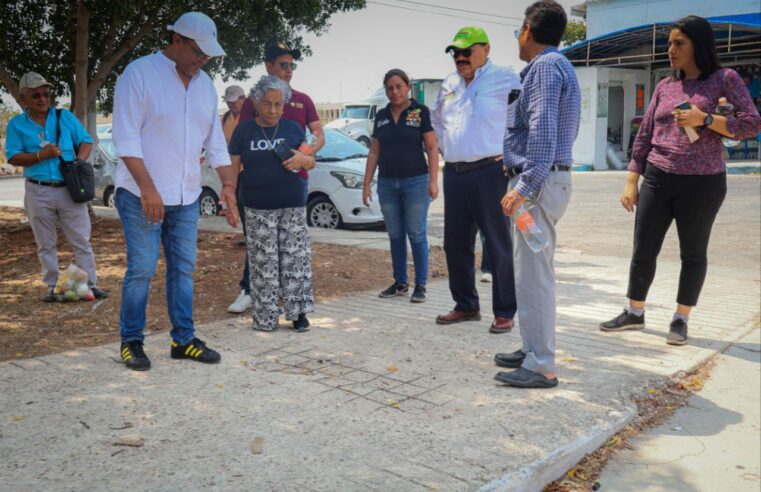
134 356
195 350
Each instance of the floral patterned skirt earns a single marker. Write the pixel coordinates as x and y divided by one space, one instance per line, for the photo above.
280 260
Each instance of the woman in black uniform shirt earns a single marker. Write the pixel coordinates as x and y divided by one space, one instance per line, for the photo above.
406 184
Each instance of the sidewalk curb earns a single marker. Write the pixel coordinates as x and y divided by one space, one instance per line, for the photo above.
535 476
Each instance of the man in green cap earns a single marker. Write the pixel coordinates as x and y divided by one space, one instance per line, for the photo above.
469 118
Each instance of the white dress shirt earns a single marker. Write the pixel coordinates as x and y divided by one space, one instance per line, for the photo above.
160 121
470 119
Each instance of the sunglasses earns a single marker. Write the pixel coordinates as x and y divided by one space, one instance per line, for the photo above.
287 65
194 47
466 53
518 32
37 95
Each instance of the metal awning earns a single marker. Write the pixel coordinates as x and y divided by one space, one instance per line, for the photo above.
738 38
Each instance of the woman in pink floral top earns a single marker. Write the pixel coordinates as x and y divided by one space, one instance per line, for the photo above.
683 181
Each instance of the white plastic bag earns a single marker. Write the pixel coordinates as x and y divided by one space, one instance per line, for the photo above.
72 285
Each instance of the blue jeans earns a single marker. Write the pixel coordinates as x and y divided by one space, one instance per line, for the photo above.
178 233
404 203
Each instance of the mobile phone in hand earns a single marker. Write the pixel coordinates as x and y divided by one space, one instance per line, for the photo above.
692 134
283 151
684 106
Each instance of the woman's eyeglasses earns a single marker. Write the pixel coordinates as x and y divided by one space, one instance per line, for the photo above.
287 65
37 95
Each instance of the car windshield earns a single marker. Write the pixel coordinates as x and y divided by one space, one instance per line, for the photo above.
358 112
339 147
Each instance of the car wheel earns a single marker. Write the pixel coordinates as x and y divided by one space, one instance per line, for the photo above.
364 141
209 203
322 213
108 198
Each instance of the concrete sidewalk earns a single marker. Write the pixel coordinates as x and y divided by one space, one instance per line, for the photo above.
712 443
375 397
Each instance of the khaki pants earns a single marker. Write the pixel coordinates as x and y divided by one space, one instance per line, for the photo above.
47 207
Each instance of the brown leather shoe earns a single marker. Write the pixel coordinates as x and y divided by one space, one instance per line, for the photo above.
501 325
457 317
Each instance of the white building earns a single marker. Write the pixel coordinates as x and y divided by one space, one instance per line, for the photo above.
625 55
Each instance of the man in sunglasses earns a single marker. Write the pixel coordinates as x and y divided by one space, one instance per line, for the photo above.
280 61
165 114
469 119
31 144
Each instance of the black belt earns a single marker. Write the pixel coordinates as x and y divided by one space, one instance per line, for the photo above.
514 171
52 184
463 167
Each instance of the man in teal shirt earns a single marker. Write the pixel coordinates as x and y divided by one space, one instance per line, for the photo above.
31 143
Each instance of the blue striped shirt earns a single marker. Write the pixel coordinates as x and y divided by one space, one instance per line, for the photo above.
544 121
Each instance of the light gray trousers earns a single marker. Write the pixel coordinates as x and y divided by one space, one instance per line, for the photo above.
46 207
535 273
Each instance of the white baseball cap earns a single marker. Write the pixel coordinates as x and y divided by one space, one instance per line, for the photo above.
233 93
201 29
32 80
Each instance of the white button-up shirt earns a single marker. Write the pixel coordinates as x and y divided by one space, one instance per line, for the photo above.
160 121
470 119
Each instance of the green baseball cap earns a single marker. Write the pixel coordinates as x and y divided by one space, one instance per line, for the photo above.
467 37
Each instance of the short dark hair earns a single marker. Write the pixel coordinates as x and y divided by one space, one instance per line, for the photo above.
396 72
547 21
704 45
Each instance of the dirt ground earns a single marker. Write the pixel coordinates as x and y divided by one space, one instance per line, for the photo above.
30 327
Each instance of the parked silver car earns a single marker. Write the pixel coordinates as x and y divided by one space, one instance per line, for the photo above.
104 161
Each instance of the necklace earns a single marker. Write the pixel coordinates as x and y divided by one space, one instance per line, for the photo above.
271 141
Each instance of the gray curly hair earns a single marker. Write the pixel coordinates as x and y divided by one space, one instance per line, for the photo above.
270 83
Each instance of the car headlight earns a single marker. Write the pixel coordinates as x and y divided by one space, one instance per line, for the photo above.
349 180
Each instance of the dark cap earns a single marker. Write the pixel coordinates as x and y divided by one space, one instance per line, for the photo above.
273 51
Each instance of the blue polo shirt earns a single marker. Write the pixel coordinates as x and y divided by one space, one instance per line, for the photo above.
24 135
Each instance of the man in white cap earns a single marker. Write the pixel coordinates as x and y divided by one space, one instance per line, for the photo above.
234 97
165 114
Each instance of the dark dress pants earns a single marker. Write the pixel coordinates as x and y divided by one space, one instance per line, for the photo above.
472 202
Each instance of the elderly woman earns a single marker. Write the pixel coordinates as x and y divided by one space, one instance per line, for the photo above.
31 143
274 200
684 181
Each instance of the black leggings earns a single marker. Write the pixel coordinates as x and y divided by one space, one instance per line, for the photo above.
693 202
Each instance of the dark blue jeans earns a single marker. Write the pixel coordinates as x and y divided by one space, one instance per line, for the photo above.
404 203
178 233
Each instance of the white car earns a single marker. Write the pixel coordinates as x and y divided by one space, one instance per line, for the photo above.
334 191
104 161
335 186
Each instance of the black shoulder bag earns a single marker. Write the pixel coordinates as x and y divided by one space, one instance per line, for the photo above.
78 175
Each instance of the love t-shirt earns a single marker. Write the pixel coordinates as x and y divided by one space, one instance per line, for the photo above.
266 184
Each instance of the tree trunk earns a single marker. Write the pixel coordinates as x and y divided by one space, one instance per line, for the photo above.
81 55
92 122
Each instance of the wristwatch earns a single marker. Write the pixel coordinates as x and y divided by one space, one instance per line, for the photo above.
709 120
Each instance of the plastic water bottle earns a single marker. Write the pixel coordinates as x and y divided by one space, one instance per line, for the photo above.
535 237
725 108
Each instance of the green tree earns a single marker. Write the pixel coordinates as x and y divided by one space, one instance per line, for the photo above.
575 31
81 46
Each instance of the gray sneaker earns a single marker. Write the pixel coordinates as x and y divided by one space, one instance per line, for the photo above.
677 333
418 295
50 296
624 321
